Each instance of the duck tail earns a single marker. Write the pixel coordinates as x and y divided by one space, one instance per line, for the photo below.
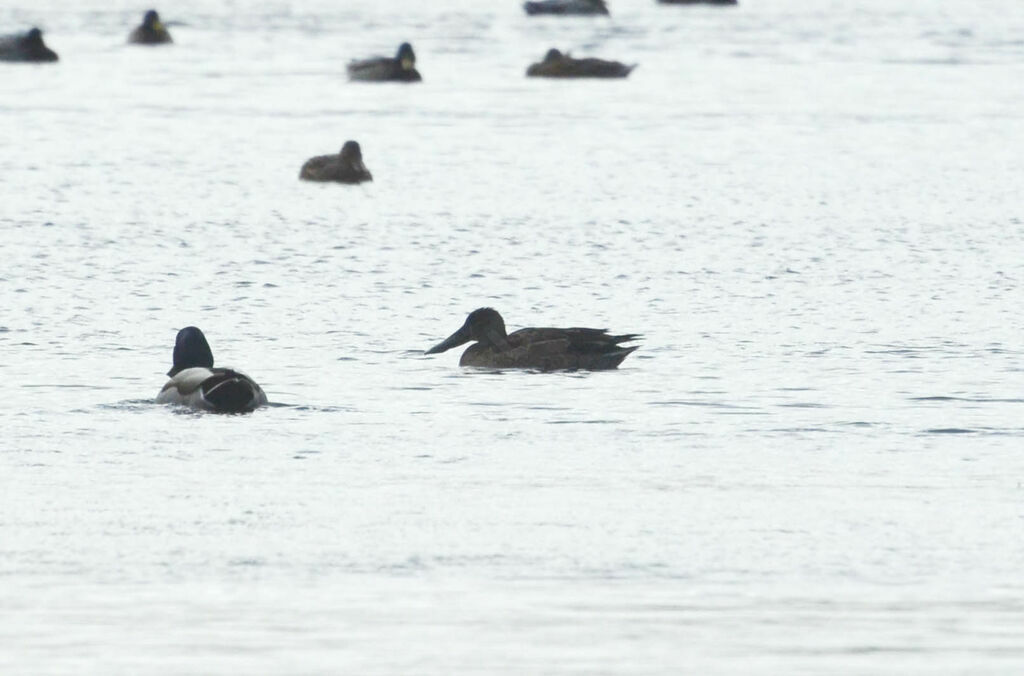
615 357
231 392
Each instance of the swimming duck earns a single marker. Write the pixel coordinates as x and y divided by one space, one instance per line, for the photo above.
566 7
27 47
151 32
542 349
345 167
556 64
401 68
195 383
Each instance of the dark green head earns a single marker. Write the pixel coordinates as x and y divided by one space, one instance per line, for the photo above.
552 56
34 38
483 325
191 350
406 57
152 20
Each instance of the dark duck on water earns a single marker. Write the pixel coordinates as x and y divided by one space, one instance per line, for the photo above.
400 68
27 48
544 349
557 64
345 167
566 7
151 32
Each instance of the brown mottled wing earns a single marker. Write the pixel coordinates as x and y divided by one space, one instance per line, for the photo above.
572 348
381 69
320 168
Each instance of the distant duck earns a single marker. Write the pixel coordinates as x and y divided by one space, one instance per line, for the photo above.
566 7
699 2
28 48
151 32
196 383
401 68
541 349
556 64
345 167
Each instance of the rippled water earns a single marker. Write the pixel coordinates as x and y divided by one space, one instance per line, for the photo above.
813 464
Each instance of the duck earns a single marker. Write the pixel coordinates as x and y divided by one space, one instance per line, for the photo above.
557 64
345 167
151 32
566 7
197 384
542 349
401 68
28 48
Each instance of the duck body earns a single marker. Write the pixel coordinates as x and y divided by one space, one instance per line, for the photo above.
563 7
150 32
345 167
27 48
220 390
543 349
557 64
194 382
400 68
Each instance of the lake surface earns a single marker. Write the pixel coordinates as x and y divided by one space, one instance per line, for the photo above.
814 463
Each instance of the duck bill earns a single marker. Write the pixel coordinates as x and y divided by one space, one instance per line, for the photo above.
458 338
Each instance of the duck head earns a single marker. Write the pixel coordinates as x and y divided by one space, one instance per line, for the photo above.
152 21
484 326
552 56
352 155
406 57
191 350
34 38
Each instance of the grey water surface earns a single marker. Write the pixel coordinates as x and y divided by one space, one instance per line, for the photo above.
813 464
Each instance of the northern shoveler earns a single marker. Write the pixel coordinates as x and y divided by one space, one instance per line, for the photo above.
151 32
400 68
28 48
566 7
557 64
345 167
534 348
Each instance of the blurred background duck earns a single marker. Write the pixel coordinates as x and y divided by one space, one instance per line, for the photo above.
345 167
151 32
534 348
28 47
401 68
196 383
566 7
557 64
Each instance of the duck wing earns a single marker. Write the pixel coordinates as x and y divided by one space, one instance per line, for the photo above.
320 168
220 389
377 68
572 348
600 68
